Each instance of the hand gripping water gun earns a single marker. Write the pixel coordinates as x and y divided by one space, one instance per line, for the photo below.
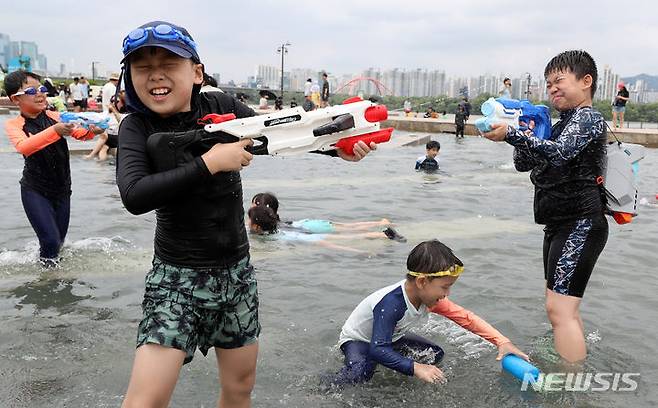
84 119
288 131
620 180
520 368
511 112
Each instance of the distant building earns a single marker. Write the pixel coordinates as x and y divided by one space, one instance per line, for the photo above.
4 49
268 76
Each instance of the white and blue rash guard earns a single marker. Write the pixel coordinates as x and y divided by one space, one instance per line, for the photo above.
381 319
427 164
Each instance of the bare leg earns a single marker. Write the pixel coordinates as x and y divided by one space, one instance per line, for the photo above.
567 325
154 375
102 154
366 235
237 373
102 138
621 119
331 245
360 226
614 119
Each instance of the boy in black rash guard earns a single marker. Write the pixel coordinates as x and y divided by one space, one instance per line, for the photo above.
201 291
568 198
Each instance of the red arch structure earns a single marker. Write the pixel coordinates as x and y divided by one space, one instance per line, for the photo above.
352 83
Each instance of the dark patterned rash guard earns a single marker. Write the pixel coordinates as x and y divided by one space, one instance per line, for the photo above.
565 167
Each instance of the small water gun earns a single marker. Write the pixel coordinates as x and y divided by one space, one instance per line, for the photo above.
85 119
284 132
511 112
520 368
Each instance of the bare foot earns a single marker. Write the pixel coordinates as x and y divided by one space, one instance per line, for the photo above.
88 156
384 221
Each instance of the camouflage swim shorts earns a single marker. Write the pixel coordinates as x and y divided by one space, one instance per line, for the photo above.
186 308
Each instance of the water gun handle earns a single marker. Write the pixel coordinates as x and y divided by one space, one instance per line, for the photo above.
520 368
347 144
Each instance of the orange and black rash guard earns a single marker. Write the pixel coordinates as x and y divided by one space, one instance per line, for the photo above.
47 169
200 218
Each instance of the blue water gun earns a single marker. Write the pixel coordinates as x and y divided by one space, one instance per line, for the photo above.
520 368
85 119
511 112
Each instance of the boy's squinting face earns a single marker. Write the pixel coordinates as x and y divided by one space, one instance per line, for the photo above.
432 153
163 81
31 104
566 92
431 291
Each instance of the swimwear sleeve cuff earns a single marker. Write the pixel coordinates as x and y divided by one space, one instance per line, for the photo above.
201 165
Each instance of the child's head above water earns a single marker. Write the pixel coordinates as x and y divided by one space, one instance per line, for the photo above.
262 220
571 78
433 148
267 200
433 268
163 70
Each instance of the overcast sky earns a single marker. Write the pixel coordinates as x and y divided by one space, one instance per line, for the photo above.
465 38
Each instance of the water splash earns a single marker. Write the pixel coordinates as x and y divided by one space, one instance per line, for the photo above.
30 253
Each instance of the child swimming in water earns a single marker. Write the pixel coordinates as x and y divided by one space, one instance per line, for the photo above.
317 226
263 221
377 331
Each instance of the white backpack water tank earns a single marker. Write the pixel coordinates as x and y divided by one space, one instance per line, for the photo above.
620 179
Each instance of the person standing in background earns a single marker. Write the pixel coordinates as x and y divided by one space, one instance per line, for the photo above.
506 92
109 89
325 91
619 105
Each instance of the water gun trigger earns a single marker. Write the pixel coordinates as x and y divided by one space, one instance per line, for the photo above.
215 118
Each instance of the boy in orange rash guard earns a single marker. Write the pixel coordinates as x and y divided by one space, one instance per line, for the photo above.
46 183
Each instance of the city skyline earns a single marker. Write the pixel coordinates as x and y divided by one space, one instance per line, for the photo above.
347 37
419 82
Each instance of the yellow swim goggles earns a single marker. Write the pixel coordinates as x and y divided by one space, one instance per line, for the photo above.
454 271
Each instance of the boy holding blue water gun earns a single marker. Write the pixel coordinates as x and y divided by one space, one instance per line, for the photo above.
378 330
567 169
39 136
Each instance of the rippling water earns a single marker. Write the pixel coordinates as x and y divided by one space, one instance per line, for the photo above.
68 335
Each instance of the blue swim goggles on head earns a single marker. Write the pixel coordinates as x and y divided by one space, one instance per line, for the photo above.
163 32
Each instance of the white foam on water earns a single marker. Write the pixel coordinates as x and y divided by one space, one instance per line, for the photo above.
472 345
109 245
30 253
593 337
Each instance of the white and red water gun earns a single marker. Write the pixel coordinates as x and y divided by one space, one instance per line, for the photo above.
284 132
294 130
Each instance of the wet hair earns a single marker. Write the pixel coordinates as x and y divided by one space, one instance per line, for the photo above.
431 256
578 62
506 79
15 80
208 80
433 144
267 200
264 217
